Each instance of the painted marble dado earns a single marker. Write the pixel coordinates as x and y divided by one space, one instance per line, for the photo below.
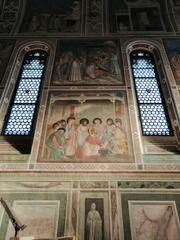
117 210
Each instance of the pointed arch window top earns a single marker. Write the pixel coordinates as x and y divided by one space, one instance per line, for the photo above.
153 114
24 103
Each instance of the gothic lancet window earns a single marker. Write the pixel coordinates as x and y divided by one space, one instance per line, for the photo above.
21 115
152 109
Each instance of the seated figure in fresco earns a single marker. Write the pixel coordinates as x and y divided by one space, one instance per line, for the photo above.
92 144
94 224
55 143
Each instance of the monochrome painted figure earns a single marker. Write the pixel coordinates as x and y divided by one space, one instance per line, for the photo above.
94 224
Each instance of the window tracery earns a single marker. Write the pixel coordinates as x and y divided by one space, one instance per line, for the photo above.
23 107
152 109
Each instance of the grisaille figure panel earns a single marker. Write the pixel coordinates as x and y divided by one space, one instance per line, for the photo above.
87 63
87 128
94 216
94 219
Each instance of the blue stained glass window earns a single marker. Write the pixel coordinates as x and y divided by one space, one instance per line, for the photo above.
153 114
24 103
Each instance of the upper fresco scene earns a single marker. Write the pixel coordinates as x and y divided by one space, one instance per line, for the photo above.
87 17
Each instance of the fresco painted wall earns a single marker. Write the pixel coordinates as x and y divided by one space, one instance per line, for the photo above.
44 214
86 128
173 51
9 12
102 210
87 63
6 47
135 16
56 16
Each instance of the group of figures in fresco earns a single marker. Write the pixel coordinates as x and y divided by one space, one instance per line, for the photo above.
54 22
84 139
91 65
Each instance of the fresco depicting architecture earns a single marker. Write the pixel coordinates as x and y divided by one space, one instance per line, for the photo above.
87 63
46 213
90 119
136 16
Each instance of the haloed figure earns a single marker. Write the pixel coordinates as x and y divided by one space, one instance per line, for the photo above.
94 224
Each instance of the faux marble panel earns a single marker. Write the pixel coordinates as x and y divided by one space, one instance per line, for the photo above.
41 218
36 209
